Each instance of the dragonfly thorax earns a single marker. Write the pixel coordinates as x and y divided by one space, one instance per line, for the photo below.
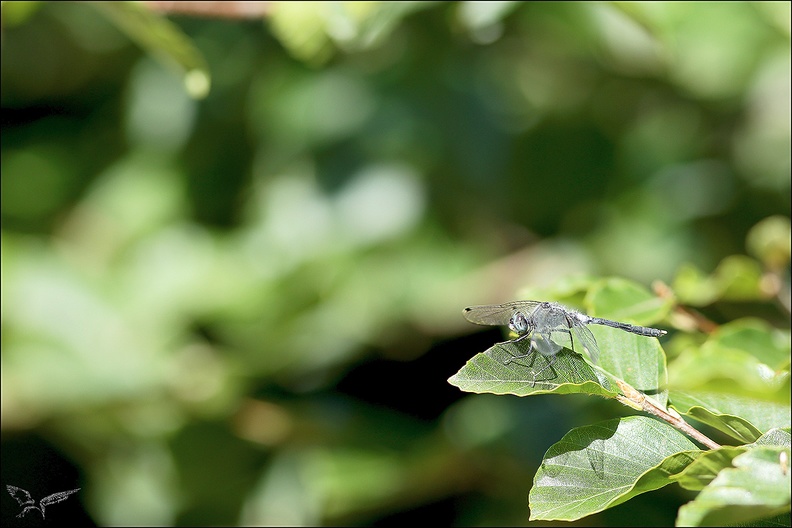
519 324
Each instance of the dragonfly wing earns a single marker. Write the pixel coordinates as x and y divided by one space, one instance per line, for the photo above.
496 314
586 340
20 495
548 343
57 497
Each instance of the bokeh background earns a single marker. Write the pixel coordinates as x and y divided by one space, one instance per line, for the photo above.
243 308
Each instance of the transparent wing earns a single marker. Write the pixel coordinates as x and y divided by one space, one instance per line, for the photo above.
586 339
497 314
57 497
20 495
548 344
552 324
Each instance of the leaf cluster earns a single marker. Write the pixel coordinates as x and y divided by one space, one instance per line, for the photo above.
734 379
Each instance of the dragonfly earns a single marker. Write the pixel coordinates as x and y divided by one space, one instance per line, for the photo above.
549 326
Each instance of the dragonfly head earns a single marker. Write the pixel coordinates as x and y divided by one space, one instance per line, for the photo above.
519 324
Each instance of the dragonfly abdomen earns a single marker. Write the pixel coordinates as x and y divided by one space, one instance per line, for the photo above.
640 330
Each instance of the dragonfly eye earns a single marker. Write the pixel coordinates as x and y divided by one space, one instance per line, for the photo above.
519 324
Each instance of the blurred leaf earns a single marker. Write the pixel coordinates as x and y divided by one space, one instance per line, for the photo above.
496 371
737 278
756 337
692 287
757 487
740 278
263 254
484 19
599 466
309 30
301 28
769 241
569 289
15 13
164 40
623 300
745 357
742 418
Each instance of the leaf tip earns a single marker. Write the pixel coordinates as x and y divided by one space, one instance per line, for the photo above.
198 83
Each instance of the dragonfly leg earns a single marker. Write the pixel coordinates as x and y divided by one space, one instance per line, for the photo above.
533 352
568 330
522 356
549 364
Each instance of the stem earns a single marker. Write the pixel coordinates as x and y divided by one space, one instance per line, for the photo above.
634 397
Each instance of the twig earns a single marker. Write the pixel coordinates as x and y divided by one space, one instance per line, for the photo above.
633 397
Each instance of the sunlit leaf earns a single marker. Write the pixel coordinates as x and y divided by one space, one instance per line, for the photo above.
776 437
742 418
758 486
638 360
497 371
599 466
706 467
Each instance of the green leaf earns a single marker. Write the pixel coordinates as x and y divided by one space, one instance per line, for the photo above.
706 467
638 360
477 16
745 357
726 413
769 241
164 40
768 522
497 371
599 466
693 287
776 437
626 301
758 486
755 337
312 30
17 13
737 278
569 290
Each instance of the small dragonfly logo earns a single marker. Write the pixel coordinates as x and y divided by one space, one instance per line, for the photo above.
26 501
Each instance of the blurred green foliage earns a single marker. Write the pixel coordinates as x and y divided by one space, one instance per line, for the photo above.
243 309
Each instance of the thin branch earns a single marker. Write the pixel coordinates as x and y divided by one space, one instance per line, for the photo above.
633 398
